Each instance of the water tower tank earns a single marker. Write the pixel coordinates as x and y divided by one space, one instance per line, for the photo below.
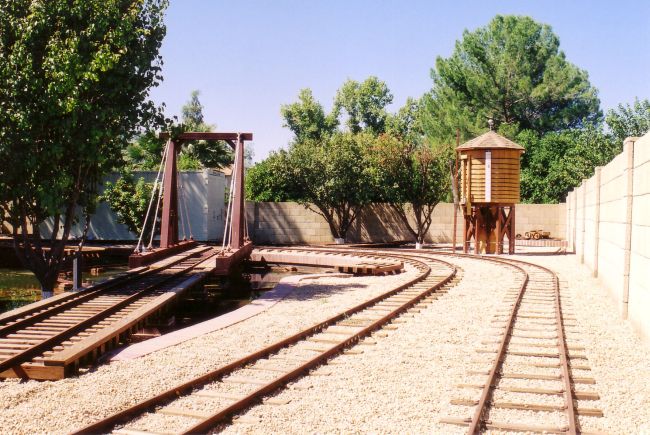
489 190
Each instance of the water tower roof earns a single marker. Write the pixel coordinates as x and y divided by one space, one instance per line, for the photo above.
490 140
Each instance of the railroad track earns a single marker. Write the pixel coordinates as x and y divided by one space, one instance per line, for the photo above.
50 340
200 404
531 348
535 375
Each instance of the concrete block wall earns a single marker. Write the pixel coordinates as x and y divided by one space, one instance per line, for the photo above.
547 217
591 211
609 219
292 223
380 223
639 275
611 234
580 222
285 222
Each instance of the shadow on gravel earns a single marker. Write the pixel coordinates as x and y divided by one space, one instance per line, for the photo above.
308 291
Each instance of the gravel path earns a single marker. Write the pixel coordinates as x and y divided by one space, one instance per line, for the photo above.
61 406
403 380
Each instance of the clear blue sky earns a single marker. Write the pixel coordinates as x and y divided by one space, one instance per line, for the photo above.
249 57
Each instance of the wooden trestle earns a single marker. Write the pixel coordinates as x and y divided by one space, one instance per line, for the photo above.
487 225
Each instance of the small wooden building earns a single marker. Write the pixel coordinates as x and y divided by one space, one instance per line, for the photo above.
489 190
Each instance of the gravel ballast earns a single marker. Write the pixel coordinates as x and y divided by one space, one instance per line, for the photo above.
401 382
68 404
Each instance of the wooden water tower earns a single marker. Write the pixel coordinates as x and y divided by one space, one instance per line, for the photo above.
489 189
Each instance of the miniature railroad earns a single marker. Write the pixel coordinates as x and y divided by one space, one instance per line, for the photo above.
535 315
531 346
361 263
51 339
202 403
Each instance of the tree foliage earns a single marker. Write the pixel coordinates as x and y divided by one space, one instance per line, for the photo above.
411 176
306 118
512 71
335 172
333 178
145 152
201 154
271 181
129 199
74 82
556 162
365 104
629 120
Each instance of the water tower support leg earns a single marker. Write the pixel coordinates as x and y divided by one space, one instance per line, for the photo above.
511 232
466 230
499 223
478 221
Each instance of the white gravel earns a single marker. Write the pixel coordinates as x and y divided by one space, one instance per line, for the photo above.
61 406
403 383
403 380
619 359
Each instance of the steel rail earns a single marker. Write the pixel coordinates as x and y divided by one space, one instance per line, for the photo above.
111 421
45 344
42 311
251 398
486 396
569 395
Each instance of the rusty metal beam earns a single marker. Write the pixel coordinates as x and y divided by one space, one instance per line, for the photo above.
238 198
209 136
169 224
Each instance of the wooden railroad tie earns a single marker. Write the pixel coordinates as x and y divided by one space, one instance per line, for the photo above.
592 412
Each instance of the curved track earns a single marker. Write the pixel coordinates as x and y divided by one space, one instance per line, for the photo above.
531 345
34 334
238 385
530 336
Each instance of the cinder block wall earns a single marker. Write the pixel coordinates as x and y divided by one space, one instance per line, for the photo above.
287 222
547 217
639 277
609 219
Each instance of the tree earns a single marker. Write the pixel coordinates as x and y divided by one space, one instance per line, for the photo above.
413 179
365 104
556 162
74 82
332 178
411 173
306 118
192 113
512 71
201 154
270 181
629 120
145 152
